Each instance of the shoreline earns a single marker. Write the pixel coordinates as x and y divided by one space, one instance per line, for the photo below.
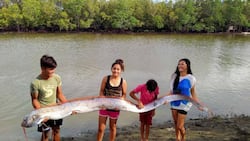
208 129
124 32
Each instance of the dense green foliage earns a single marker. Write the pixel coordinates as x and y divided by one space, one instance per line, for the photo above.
124 15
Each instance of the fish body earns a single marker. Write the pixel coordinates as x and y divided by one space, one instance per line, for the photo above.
93 104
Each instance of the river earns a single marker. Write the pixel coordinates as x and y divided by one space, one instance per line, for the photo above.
220 63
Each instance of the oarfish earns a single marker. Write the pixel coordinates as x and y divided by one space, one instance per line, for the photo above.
84 105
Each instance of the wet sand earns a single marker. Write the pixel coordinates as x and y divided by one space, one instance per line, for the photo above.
212 129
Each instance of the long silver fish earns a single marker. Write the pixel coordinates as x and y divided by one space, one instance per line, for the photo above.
93 104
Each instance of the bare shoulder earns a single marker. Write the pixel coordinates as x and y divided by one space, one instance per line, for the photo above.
124 82
105 78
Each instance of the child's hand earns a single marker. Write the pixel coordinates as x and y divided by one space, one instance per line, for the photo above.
140 105
74 113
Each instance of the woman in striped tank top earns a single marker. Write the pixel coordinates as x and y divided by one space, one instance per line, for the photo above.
113 86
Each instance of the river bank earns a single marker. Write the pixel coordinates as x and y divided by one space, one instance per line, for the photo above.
213 129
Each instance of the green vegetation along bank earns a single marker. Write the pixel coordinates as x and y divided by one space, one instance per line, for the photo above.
185 16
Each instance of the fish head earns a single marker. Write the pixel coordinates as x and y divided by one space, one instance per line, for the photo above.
30 120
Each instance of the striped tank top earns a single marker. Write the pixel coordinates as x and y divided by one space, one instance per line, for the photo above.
113 90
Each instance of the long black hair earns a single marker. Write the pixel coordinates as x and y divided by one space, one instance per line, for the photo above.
177 72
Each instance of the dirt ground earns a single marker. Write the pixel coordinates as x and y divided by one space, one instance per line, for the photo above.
213 129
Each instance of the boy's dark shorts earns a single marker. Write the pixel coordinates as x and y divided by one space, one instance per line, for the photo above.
146 117
50 123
